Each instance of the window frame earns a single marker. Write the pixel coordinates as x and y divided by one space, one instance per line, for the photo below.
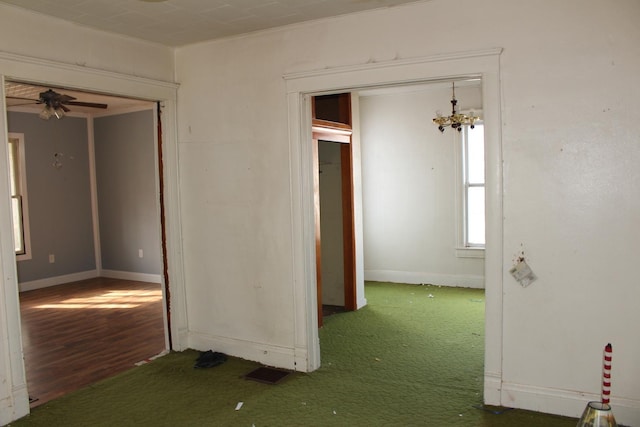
464 249
21 194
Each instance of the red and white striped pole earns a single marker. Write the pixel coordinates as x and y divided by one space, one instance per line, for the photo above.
606 374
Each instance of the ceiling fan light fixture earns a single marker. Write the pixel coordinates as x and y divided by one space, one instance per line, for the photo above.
46 113
59 113
50 111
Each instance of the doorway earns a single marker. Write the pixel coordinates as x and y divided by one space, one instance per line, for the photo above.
483 64
20 68
333 204
104 165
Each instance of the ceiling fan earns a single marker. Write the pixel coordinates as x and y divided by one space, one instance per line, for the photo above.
55 104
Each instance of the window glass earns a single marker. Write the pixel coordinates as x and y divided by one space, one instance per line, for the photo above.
18 196
475 216
473 167
475 154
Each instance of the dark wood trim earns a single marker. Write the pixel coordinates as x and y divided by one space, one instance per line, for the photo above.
335 106
163 226
341 132
348 224
328 125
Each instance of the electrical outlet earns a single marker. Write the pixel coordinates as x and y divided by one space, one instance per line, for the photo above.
140 253
52 258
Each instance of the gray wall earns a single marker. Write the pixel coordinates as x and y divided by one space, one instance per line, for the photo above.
127 193
59 198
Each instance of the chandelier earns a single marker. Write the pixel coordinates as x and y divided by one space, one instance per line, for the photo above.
455 120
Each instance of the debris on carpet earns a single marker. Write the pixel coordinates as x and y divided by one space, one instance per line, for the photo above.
209 359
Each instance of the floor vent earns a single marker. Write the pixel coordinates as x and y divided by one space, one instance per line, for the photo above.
267 375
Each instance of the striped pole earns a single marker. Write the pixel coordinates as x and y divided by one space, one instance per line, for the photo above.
606 374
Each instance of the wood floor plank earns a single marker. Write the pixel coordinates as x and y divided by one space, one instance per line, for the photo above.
76 334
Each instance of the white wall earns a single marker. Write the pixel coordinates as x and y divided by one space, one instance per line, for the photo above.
34 35
568 144
569 134
39 49
410 189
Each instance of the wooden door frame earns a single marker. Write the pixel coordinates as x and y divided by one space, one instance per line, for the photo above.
339 133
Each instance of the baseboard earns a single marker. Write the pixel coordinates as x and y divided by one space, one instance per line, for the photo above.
180 339
567 403
84 275
361 303
15 406
492 388
269 355
130 275
301 359
415 277
57 280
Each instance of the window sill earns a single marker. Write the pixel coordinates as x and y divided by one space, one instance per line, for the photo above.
470 252
23 257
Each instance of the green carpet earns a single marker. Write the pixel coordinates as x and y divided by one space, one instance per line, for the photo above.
412 357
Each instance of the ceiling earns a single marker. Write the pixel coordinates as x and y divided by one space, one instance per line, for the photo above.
173 23
181 22
24 97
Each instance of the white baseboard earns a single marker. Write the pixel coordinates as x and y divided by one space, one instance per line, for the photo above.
129 275
416 277
15 406
492 388
180 339
57 280
361 303
269 355
301 359
567 403
84 275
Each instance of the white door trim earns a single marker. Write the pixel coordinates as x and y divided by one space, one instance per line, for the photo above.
23 68
300 86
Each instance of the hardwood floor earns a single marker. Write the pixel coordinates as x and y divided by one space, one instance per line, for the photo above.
76 334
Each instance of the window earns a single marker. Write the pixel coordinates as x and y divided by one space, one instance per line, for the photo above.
19 196
471 213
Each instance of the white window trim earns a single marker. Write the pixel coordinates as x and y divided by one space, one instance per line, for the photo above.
463 250
26 231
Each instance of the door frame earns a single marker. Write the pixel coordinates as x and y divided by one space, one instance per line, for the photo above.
19 68
484 64
337 133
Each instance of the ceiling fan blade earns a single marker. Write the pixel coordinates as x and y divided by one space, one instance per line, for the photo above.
23 103
37 101
87 104
65 109
65 98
